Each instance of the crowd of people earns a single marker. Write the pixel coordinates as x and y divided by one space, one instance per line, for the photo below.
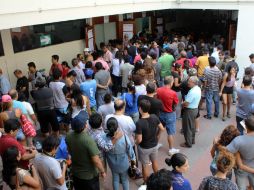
109 110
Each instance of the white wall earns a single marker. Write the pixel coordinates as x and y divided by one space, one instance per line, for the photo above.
245 39
41 56
15 13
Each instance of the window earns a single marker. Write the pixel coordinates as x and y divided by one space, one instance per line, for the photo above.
36 36
1 47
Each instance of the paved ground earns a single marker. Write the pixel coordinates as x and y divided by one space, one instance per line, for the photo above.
199 155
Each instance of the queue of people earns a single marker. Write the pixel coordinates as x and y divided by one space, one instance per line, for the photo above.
111 108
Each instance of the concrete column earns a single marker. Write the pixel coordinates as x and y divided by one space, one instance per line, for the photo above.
244 38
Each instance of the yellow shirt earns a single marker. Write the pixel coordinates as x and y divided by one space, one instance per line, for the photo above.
202 63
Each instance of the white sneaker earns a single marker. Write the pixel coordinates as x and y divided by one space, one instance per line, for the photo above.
159 145
173 151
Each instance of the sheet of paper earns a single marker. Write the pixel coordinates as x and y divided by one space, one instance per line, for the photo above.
128 27
90 44
90 34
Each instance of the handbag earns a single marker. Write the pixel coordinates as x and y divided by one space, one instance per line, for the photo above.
133 171
27 127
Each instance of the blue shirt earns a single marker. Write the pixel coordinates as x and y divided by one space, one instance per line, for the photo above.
118 157
193 97
19 105
179 182
5 85
88 88
131 105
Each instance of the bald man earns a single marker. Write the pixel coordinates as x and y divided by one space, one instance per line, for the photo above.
17 104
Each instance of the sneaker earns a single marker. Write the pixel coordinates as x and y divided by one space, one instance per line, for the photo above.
223 118
173 151
159 145
228 115
234 102
207 117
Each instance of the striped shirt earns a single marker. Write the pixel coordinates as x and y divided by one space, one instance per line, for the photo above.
212 77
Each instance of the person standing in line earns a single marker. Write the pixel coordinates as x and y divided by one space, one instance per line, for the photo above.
49 169
125 70
33 74
156 104
148 132
225 163
118 157
107 108
5 85
215 54
180 165
80 74
252 61
168 115
43 98
55 64
22 85
88 89
103 80
212 81
116 77
85 166
166 61
244 107
226 91
190 111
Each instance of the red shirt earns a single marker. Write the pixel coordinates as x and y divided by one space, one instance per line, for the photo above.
181 62
53 66
6 141
168 98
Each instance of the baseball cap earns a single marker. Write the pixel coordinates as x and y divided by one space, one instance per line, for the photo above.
192 72
79 121
89 72
6 98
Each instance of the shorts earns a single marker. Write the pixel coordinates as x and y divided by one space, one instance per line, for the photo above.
61 115
227 90
168 119
47 117
147 155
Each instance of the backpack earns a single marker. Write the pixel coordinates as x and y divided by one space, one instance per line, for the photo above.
47 78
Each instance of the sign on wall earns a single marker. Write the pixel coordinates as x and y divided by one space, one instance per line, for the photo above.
45 40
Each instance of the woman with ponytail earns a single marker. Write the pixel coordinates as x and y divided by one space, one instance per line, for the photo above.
180 165
131 98
118 157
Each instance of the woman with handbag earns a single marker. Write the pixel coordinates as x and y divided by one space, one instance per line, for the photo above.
15 177
118 158
226 137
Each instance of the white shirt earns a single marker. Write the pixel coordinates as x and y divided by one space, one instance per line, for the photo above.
215 54
81 65
116 67
126 124
30 111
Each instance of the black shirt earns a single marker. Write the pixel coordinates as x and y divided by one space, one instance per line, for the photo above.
43 98
148 127
156 104
176 75
23 82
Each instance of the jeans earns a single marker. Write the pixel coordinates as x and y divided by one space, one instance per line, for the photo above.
179 105
116 177
242 179
212 96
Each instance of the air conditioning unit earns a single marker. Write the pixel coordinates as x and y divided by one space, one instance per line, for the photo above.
178 1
